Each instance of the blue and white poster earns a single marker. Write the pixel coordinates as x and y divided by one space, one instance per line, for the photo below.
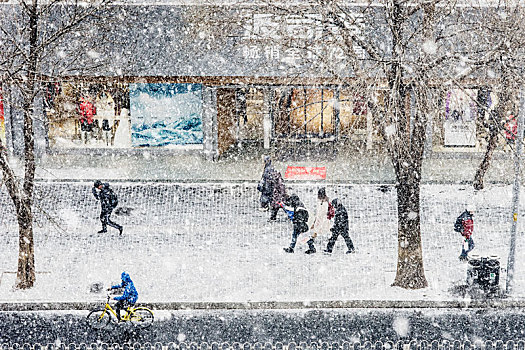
165 114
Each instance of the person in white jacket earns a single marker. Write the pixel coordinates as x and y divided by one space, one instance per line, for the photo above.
321 223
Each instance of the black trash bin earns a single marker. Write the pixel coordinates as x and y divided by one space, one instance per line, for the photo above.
484 272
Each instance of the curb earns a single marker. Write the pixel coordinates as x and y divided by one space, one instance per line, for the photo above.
200 181
280 305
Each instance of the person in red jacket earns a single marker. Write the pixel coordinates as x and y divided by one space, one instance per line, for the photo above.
465 225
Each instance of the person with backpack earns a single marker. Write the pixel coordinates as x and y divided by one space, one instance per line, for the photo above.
265 185
323 214
465 225
108 201
296 212
340 227
278 193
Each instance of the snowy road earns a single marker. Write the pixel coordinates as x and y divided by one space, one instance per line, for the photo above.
355 325
208 242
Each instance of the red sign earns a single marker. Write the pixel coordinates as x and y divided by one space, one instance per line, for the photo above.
305 173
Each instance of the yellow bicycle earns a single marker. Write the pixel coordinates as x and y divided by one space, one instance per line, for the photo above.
142 317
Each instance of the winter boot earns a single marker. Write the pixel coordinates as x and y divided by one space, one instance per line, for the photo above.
350 251
311 248
288 250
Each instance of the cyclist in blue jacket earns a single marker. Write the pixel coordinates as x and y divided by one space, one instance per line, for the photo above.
130 295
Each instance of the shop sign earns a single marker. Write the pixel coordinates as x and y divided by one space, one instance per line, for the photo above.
262 30
305 173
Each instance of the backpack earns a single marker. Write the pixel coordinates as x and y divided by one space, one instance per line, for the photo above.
458 225
331 211
113 200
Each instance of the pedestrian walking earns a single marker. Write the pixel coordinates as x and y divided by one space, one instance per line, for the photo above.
272 189
265 184
340 227
108 201
465 225
323 214
278 193
297 212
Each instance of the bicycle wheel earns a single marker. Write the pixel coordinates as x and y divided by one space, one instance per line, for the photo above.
142 317
98 319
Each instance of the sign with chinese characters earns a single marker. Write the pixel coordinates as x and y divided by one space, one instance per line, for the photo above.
295 39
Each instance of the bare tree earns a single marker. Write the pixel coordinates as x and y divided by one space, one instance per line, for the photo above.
33 34
505 64
411 50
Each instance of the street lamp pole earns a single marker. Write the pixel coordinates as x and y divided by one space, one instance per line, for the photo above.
515 194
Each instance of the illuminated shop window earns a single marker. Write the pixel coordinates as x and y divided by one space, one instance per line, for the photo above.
303 112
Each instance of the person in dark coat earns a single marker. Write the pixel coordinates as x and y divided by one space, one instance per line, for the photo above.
265 184
278 193
340 227
299 215
108 201
129 296
465 225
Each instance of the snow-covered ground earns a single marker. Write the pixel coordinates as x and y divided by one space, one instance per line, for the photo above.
208 242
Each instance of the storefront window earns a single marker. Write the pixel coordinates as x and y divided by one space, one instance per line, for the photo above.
251 109
87 115
304 112
121 115
459 127
352 113
165 115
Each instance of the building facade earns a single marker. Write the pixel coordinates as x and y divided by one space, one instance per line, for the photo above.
209 78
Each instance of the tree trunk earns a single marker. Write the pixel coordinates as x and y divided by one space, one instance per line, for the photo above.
25 277
485 163
410 271
26 257
495 119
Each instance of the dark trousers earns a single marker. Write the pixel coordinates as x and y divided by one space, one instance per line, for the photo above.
335 235
120 305
295 234
105 219
274 211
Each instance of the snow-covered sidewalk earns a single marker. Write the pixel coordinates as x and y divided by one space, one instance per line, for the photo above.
208 242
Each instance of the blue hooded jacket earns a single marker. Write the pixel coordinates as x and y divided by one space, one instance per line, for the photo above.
130 293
